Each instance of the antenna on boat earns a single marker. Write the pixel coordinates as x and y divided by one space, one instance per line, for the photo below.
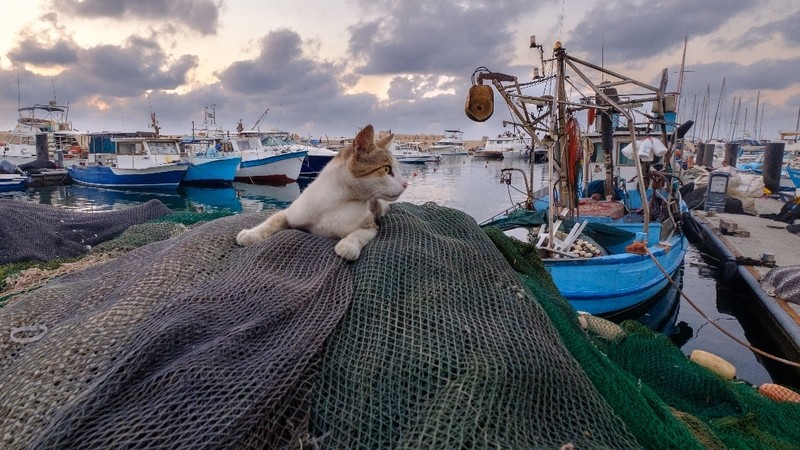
259 120
153 122
19 97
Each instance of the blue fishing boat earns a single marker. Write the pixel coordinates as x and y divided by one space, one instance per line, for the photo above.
607 226
209 163
131 162
794 175
12 182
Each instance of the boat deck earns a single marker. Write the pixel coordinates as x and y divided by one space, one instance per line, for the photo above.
753 241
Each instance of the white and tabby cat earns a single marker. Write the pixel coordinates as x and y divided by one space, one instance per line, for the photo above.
345 200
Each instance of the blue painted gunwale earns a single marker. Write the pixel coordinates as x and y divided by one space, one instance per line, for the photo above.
271 159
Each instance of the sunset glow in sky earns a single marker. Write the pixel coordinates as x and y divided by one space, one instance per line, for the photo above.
328 68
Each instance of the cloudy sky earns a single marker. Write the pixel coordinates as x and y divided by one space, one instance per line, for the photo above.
324 67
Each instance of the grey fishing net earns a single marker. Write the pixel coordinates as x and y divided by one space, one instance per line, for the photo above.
29 231
784 282
194 342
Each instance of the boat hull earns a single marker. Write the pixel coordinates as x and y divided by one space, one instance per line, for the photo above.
313 164
158 177
273 169
12 182
619 282
212 171
794 175
448 150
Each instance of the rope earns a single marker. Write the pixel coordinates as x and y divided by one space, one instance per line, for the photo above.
715 324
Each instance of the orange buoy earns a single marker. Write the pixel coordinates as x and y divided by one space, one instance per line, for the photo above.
779 393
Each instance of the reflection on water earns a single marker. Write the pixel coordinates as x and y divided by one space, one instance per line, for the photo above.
472 186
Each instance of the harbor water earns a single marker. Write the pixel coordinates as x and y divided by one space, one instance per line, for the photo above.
474 186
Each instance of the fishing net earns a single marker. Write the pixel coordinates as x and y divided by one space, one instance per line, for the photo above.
30 231
784 282
442 335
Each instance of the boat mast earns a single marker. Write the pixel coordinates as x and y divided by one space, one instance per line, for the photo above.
755 120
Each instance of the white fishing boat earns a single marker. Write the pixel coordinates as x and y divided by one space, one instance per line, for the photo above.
264 165
317 157
510 144
51 120
412 153
452 144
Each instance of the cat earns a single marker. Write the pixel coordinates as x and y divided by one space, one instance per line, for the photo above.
346 199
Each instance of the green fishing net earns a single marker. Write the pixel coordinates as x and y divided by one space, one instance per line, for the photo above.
442 335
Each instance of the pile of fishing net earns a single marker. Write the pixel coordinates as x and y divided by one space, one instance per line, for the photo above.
442 335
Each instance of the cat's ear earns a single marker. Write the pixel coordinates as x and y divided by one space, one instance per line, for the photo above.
385 141
364 139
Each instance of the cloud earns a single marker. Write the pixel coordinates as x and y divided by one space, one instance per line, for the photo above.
445 37
629 31
47 55
201 16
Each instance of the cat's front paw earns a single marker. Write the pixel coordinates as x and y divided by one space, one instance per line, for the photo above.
347 250
249 237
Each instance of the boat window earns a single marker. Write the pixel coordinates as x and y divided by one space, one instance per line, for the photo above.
598 156
622 160
130 148
244 144
163 148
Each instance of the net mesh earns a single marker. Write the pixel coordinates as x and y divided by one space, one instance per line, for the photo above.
442 335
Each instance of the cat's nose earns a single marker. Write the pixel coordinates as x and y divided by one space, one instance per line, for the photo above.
405 184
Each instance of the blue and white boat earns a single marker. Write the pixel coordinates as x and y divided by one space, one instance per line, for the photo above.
316 157
131 162
263 165
209 163
609 255
12 182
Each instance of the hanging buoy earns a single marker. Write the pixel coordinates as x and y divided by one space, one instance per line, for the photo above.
714 363
590 116
480 103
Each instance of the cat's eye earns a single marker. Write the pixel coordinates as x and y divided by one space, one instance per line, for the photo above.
387 169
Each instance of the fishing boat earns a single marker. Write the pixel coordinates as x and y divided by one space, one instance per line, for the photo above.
131 162
51 120
794 175
611 253
316 157
209 163
263 165
12 182
510 144
411 153
451 144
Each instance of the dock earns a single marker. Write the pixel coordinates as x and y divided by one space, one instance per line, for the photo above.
748 247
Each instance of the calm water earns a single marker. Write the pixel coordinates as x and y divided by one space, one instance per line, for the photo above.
473 186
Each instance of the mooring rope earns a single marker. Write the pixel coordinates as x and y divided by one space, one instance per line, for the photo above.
715 324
